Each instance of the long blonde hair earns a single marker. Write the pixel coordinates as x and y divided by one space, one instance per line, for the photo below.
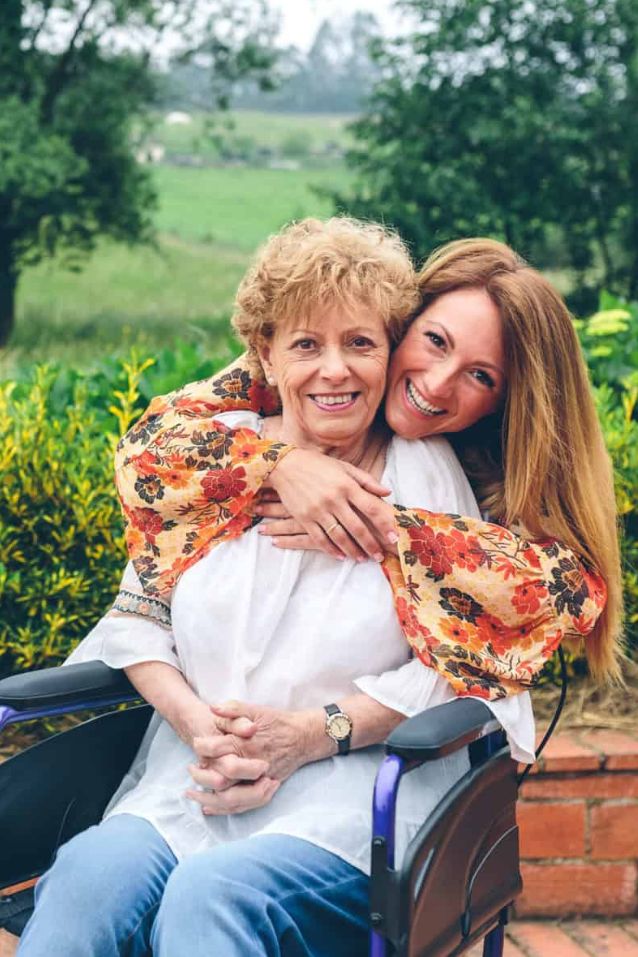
541 462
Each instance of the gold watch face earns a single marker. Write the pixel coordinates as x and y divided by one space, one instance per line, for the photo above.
339 726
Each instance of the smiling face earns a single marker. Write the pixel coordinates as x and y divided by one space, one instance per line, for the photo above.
330 370
449 370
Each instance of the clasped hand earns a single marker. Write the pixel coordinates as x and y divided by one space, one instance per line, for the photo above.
242 766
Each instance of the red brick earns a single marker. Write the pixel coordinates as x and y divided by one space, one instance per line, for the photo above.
551 830
535 768
604 940
619 785
614 831
561 890
545 940
511 950
620 751
565 753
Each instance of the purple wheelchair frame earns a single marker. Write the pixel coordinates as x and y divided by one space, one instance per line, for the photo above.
384 801
383 808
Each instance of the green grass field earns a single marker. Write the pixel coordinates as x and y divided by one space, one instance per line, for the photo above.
239 207
209 222
281 132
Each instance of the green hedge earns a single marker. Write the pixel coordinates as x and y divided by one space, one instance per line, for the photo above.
61 547
61 544
610 342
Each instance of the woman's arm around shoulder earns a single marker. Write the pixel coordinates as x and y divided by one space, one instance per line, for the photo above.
186 480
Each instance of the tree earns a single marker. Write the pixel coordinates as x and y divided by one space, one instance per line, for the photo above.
509 117
70 91
334 76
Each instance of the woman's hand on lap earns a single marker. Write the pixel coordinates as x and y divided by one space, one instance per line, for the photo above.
197 721
226 771
282 742
243 773
236 799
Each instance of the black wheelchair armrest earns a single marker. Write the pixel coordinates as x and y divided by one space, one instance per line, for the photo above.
90 682
441 730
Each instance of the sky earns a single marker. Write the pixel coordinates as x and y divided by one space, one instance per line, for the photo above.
300 18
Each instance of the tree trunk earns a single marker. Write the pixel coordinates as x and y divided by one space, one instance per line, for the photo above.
8 283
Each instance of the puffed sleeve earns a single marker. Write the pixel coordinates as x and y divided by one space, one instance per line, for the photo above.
136 628
412 688
429 474
485 606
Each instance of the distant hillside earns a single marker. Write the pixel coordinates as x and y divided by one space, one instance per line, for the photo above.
246 138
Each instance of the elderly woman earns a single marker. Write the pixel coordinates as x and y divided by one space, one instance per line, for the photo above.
278 862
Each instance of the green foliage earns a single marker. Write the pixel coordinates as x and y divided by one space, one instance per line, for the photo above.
618 413
60 530
68 172
610 342
496 117
61 545
271 132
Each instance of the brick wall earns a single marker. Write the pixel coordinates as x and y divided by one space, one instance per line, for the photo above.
578 818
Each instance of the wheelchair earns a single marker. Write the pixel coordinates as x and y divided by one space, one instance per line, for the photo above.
460 873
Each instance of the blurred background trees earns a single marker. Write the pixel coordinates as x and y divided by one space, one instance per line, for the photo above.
74 75
514 118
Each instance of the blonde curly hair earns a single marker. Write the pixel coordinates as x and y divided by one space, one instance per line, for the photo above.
315 263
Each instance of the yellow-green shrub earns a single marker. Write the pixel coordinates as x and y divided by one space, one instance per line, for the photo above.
618 416
610 343
61 545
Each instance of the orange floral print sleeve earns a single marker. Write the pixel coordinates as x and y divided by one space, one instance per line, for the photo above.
484 606
480 604
185 481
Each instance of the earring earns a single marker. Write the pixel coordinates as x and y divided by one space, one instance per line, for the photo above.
271 380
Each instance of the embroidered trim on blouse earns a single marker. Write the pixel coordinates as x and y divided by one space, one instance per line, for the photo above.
129 603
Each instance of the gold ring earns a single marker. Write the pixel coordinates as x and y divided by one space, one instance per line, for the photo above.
331 527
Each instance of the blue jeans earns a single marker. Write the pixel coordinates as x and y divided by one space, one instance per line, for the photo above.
117 889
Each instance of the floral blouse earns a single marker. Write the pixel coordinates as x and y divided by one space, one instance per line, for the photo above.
482 605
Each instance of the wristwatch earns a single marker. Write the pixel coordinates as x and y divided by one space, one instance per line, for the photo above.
338 727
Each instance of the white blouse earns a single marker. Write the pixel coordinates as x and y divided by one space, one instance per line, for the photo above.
294 629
